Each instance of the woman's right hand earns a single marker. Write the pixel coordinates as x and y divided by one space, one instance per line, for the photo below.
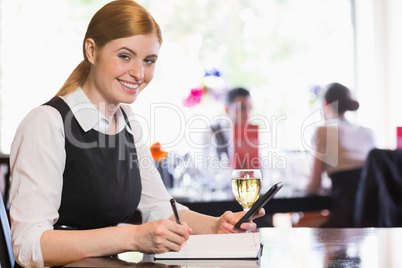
159 236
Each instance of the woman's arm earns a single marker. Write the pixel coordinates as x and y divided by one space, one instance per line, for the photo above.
319 142
37 160
62 247
314 185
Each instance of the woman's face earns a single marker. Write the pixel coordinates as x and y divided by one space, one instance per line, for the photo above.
121 69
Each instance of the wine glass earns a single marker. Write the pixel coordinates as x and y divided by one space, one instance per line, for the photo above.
246 185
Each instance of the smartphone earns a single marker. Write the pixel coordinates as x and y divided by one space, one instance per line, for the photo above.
261 202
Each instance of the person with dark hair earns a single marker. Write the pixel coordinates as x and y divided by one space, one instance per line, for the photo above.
221 153
341 148
238 107
339 98
237 93
79 166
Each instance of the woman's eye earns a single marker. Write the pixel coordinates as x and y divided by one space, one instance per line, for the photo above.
150 61
124 57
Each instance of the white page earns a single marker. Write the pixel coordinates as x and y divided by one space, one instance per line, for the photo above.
242 245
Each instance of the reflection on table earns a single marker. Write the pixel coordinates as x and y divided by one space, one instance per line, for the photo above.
292 247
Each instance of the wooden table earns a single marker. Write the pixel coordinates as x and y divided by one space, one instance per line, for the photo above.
293 247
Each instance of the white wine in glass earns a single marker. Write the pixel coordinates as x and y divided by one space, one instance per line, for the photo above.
246 185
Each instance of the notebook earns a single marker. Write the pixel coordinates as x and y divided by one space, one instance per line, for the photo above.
218 246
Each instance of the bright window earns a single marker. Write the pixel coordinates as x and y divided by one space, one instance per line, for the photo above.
282 50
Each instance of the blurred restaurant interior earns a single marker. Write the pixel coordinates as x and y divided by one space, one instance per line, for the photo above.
284 52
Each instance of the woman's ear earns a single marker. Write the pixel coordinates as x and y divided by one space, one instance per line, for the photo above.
90 50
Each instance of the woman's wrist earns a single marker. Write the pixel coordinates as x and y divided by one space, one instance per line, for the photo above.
126 236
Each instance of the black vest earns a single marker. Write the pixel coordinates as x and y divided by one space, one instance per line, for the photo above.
101 179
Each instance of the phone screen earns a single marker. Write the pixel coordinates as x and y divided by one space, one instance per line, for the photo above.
261 202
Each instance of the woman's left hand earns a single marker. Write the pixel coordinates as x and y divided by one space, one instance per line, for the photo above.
228 220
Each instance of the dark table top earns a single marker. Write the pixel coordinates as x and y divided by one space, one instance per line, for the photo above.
281 204
275 205
293 247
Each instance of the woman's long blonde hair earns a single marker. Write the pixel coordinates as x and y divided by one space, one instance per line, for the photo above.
117 19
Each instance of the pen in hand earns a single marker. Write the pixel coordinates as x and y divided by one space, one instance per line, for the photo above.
175 212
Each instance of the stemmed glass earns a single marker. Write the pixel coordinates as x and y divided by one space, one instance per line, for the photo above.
246 185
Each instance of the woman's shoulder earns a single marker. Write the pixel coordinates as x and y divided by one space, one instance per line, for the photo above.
321 130
42 115
40 124
367 132
359 129
366 129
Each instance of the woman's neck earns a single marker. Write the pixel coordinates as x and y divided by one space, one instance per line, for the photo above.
108 109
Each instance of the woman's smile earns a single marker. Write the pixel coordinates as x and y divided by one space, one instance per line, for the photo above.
129 87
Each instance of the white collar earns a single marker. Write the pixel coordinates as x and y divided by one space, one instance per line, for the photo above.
88 116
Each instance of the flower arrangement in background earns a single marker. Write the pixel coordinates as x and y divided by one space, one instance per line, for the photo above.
194 97
157 154
213 84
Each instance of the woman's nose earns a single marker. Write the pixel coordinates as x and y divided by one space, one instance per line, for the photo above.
137 71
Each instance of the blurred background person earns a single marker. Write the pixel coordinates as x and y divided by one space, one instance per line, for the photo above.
236 137
232 142
341 148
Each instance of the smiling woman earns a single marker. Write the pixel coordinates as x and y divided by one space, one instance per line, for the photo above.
79 157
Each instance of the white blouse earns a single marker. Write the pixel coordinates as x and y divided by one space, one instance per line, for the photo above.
37 161
343 145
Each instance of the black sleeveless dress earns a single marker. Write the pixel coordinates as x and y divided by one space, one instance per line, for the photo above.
101 179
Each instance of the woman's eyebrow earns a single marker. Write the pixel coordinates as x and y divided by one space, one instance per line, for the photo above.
129 50
134 53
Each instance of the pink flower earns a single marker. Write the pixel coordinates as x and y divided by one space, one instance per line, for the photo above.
194 97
